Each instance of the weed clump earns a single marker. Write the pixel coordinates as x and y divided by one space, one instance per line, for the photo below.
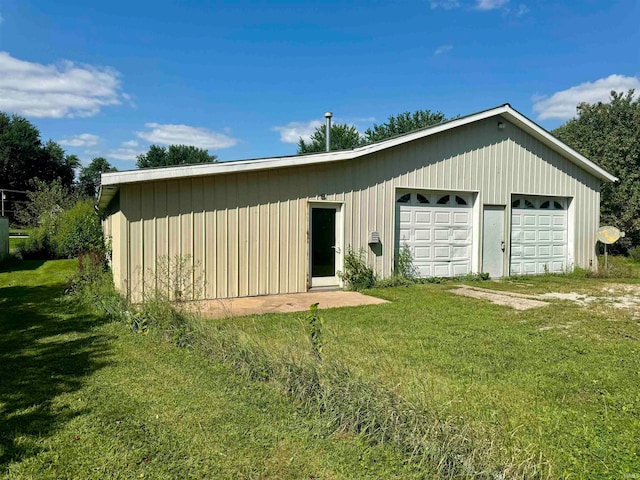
357 275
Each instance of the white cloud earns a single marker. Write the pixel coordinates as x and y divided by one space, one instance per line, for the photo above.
130 143
562 105
443 49
490 4
82 140
56 91
124 153
444 4
522 10
293 131
168 134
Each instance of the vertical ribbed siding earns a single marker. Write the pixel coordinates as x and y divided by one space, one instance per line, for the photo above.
247 233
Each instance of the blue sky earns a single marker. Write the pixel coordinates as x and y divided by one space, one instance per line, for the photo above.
246 79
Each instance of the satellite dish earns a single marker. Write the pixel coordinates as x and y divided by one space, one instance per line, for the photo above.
608 235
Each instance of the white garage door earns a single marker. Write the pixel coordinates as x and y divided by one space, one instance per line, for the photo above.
538 235
437 229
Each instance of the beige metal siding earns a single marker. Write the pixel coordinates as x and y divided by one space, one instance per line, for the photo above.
247 232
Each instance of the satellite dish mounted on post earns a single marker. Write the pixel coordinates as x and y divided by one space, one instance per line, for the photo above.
608 235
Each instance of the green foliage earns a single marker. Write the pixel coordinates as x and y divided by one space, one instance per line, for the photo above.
39 245
82 398
343 137
609 135
45 200
78 231
634 253
473 277
404 266
315 332
174 155
357 274
23 156
403 123
62 233
89 178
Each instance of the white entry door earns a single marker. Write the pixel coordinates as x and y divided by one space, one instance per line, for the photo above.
325 246
437 228
538 235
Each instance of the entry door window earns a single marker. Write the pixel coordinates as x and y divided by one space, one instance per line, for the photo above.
323 242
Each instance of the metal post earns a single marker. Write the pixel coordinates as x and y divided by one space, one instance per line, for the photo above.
606 258
327 130
2 195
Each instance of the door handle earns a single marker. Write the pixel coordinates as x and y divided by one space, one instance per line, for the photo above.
502 246
336 248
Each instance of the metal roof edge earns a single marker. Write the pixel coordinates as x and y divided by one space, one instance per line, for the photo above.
113 179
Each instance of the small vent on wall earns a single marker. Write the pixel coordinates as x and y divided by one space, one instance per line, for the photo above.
374 238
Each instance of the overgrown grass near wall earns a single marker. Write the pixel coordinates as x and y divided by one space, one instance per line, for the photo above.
82 397
553 390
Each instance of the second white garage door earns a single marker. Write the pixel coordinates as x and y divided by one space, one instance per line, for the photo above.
538 235
437 227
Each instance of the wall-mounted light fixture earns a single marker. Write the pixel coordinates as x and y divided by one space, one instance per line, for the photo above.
500 125
323 196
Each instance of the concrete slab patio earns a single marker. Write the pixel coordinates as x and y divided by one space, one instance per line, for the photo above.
294 302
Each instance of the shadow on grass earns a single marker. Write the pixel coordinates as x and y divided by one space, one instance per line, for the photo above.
47 348
15 264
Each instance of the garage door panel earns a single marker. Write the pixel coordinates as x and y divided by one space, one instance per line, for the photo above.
460 253
460 235
439 236
538 237
460 269
461 218
423 234
544 235
441 253
441 270
421 254
560 220
544 220
422 218
544 251
442 218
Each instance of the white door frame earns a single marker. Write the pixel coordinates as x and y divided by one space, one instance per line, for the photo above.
335 280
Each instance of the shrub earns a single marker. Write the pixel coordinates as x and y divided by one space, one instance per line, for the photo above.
38 246
634 253
78 231
357 274
404 264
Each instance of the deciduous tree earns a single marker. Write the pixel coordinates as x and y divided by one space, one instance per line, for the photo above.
609 135
89 178
174 155
403 123
343 137
23 156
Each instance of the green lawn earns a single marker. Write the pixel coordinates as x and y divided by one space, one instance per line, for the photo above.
81 397
559 385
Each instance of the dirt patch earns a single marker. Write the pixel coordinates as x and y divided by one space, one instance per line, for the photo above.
294 302
614 295
508 299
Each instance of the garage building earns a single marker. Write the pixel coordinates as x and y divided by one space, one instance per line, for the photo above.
491 192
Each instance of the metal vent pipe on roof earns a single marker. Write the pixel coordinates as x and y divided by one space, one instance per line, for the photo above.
327 117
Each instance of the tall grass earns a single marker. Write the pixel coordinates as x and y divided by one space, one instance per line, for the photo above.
346 401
